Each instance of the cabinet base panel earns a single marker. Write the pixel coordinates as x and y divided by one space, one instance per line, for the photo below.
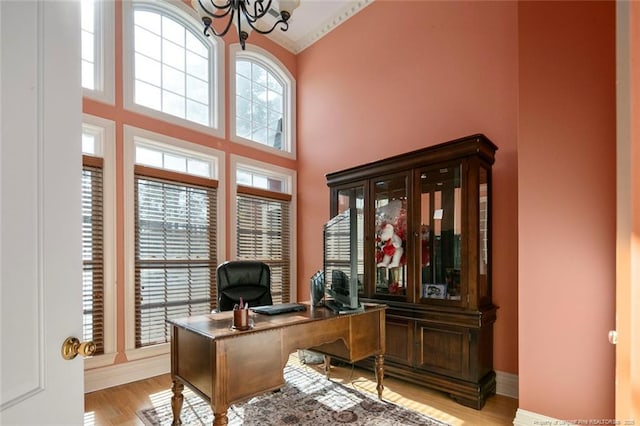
485 389
469 394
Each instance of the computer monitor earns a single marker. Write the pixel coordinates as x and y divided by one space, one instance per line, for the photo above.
341 262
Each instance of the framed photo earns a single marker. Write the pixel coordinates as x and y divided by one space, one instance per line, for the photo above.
434 291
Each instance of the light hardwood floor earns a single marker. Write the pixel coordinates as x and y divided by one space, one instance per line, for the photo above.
118 405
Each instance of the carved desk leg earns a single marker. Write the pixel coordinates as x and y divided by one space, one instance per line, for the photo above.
379 374
176 402
327 365
220 418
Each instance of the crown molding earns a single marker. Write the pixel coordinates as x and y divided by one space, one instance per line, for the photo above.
321 30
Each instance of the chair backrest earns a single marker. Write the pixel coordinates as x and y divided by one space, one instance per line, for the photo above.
248 279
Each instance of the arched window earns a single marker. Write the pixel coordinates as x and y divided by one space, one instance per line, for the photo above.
172 69
262 100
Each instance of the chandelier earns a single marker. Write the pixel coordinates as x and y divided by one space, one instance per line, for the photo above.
247 14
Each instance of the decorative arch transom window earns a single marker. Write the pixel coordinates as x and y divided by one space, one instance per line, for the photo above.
259 104
173 68
263 103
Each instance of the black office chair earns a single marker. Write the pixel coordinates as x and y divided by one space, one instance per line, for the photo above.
248 279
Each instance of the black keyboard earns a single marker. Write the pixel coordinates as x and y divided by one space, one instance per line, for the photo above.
341 309
279 308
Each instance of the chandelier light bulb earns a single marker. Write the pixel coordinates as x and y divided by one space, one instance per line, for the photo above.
287 7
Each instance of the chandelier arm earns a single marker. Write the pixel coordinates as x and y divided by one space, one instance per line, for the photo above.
259 10
210 27
284 27
242 35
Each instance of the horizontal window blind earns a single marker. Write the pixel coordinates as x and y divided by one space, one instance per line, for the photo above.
93 253
263 234
175 257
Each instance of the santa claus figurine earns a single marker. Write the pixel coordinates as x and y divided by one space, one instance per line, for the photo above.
392 247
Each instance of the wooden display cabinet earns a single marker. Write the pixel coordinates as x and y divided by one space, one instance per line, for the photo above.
425 217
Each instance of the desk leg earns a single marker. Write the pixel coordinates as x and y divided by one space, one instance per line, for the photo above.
379 374
327 365
220 418
176 402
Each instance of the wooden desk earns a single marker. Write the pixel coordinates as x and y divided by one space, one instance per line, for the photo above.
226 366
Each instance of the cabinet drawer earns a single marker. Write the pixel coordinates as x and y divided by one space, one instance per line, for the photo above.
443 349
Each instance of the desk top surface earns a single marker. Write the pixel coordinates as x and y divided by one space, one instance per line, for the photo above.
219 325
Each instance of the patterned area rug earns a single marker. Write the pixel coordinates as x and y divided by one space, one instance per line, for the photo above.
307 398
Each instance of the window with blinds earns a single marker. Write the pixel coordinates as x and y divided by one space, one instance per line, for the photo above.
175 250
93 252
263 233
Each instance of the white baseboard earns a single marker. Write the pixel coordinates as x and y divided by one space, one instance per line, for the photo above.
528 418
507 384
120 374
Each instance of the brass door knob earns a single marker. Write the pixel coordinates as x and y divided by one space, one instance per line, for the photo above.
72 347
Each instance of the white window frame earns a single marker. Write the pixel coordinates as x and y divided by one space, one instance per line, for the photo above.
104 130
289 177
104 49
131 136
272 64
187 16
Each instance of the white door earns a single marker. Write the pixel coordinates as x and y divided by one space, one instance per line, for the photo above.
40 212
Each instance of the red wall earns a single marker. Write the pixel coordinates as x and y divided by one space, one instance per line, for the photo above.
566 210
394 79
539 80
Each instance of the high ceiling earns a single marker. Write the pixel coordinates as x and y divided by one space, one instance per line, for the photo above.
313 19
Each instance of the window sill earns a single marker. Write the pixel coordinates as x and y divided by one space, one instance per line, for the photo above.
99 361
262 147
148 351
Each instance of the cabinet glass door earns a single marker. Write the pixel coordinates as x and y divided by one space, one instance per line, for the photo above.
390 207
440 234
354 198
